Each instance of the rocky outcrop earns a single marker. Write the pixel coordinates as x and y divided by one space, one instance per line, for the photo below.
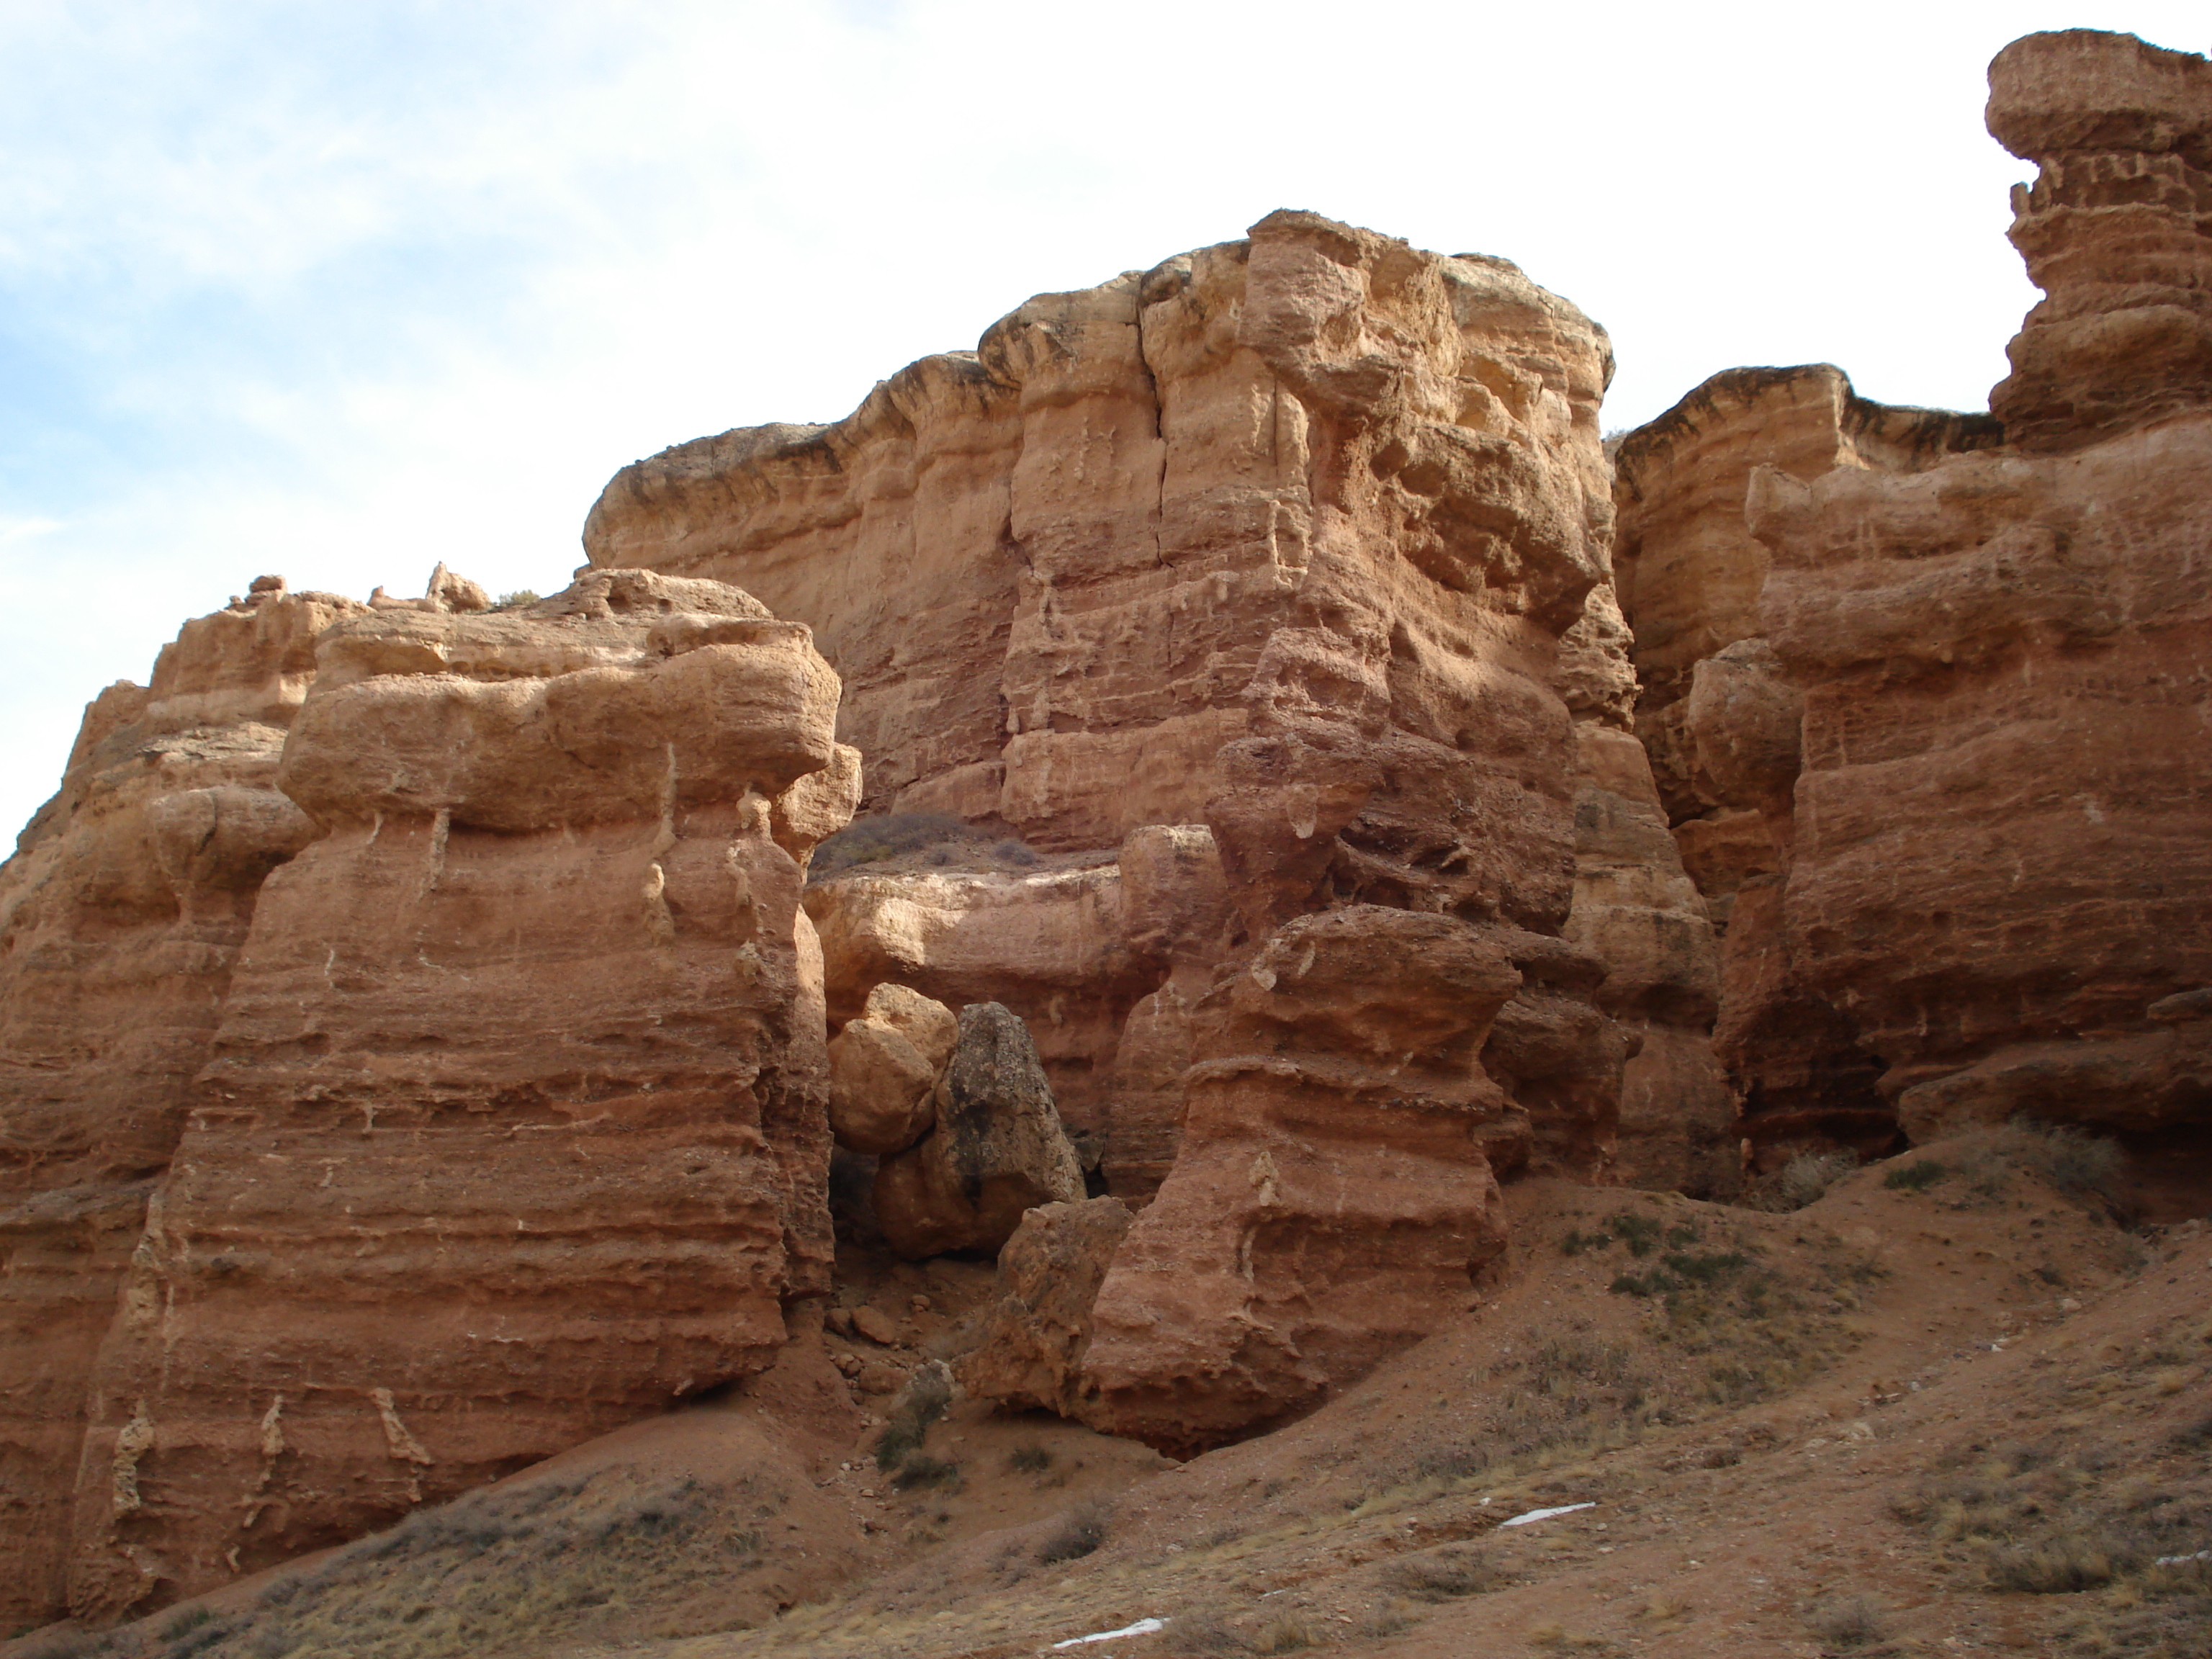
1954 718
1100 957
1333 1195
1688 572
121 917
996 1148
1998 860
883 1069
2115 230
506 1086
1029 1350
1719 721
1301 539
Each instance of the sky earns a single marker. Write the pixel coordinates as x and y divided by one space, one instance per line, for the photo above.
338 292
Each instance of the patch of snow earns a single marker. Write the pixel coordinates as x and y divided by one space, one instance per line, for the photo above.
1142 1627
1524 1518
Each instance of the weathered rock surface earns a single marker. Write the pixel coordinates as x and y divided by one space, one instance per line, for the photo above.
996 1149
1303 539
1998 842
521 1055
121 916
1028 1354
883 1069
2115 230
1720 721
1688 572
1637 911
1099 957
1959 718
1332 1193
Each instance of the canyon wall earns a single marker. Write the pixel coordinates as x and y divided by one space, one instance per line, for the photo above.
1265 592
1927 693
493 1112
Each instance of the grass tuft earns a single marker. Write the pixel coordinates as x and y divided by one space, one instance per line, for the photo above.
1081 1532
925 1399
1917 1177
1849 1623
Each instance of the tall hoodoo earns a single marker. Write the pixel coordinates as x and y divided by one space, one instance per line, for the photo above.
2117 231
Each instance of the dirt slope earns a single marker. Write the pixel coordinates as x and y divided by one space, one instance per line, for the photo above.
1947 1408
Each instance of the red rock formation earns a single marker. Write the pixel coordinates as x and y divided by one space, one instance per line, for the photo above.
1028 1355
883 1069
2114 231
1287 538
1720 722
1999 863
1961 719
121 916
996 1149
496 1119
1331 1197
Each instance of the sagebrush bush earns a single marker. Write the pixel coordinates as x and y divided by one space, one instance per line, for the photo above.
1082 1530
925 1399
1849 1622
1802 1180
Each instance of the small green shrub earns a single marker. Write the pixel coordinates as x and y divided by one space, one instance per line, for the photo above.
1029 1460
516 600
1915 1177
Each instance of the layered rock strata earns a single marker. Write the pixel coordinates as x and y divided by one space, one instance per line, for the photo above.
1283 540
519 1054
121 917
2117 231
1959 717
1998 862
1719 721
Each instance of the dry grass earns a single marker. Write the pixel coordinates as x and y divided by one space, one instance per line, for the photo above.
1444 1574
2095 1509
937 838
1081 1531
1800 1182
1849 1624
925 1398
497 1574
2073 1161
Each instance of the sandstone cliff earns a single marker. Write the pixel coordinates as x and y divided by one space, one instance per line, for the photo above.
1921 690
1258 570
423 1041
492 1112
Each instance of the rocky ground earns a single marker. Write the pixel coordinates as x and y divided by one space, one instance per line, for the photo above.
1951 1405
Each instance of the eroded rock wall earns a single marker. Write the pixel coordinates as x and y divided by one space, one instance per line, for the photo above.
1258 570
495 1119
121 917
2116 229
1945 775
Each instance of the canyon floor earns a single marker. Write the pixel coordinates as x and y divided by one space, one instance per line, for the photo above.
1955 1405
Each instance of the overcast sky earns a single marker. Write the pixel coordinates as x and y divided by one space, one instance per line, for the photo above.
339 291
